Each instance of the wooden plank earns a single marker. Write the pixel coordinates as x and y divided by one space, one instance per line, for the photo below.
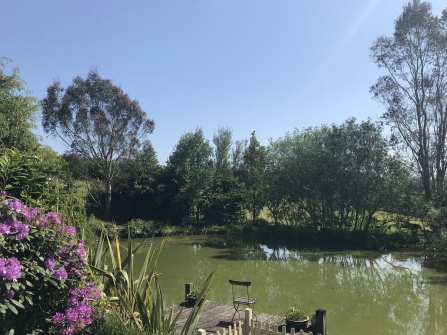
217 317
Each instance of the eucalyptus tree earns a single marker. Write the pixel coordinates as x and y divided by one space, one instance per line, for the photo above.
191 167
17 111
97 121
414 91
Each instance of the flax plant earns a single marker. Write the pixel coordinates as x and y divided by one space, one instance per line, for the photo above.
137 298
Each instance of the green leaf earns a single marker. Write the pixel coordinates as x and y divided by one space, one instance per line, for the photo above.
12 308
30 301
18 304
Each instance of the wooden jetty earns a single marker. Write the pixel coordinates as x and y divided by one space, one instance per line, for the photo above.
216 317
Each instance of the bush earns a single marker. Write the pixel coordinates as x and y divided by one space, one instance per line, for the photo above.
43 282
141 228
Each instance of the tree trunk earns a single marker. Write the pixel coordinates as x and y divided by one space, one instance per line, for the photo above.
426 178
108 198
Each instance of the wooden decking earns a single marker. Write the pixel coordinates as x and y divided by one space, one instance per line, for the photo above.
217 316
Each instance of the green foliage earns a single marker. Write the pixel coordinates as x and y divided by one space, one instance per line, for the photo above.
336 177
31 177
297 312
191 167
17 112
139 296
141 228
195 291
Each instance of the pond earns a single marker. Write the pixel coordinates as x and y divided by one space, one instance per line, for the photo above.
364 292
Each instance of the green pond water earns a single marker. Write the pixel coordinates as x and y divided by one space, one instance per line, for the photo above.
363 292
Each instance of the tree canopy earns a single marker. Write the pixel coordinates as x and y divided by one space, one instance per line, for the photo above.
17 111
414 91
192 169
98 121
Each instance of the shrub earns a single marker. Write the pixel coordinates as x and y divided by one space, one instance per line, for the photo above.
141 228
43 286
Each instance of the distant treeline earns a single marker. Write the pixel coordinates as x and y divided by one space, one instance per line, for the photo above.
336 176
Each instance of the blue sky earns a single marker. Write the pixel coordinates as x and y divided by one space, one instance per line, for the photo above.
269 66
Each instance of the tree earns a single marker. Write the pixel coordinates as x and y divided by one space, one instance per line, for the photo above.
192 169
335 176
98 121
17 112
414 92
136 187
253 170
222 141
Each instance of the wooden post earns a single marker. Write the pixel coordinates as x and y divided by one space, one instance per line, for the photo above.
320 321
201 332
247 321
188 289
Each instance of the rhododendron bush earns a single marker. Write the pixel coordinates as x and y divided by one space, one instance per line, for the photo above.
43 277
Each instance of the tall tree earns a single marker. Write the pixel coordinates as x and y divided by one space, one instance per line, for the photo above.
222 141
17 111
191 166
98 121
253 170
414 91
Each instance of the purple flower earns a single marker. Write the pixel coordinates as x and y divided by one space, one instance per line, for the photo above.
22 230
70 230
49 264
15 205
58 318
14 224
9 294
51 217
30 214
3 193
60 274
10 268
4 228
81 250
63 254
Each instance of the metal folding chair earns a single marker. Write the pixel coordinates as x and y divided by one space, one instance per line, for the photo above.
238 300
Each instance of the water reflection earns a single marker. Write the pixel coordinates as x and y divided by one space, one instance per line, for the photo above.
363 292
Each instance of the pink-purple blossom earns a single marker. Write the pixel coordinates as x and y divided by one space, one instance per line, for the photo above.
51 217
30 214
12 225
4 229
22 231
79 314
60 273
10 269
70 230
49 264
9 294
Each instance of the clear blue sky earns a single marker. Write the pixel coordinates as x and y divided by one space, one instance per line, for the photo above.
270 66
